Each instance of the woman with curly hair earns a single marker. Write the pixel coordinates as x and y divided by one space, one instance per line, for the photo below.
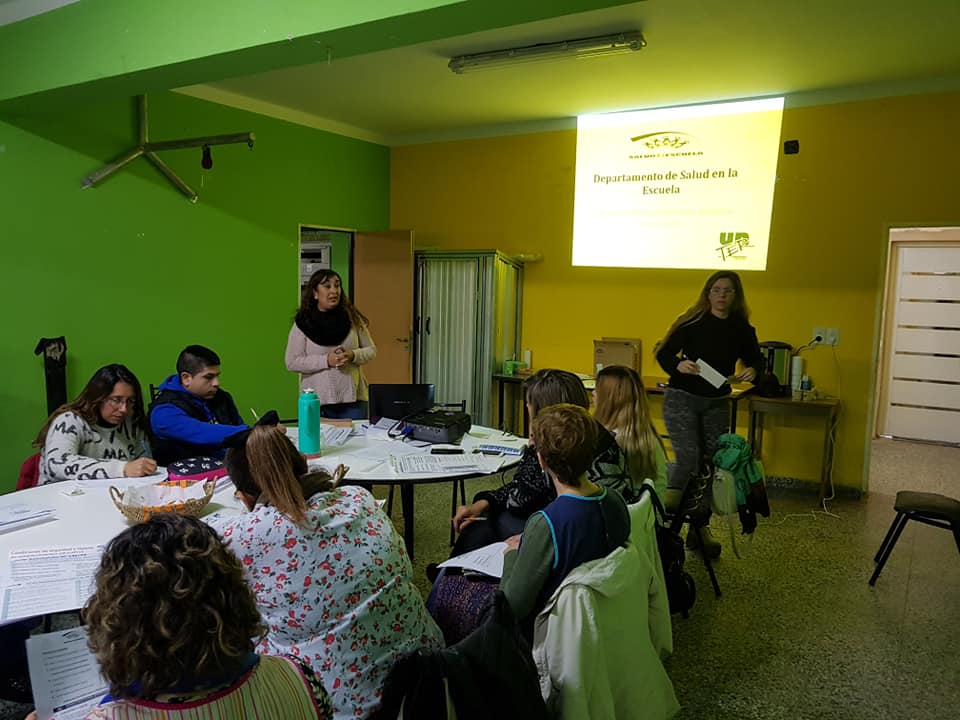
174 625
329 341
101 434
330 574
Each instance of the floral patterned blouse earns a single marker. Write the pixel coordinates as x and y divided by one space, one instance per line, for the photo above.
336 592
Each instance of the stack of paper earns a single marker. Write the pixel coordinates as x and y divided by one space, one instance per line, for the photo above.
17 515
334 436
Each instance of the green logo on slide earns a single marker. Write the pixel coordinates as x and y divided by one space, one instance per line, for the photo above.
664 144
732 244
658 140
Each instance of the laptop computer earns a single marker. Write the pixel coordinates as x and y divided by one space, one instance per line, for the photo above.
399 401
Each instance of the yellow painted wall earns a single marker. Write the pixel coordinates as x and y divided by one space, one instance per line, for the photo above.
862 168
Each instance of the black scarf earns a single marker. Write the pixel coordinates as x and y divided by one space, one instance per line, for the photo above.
329 328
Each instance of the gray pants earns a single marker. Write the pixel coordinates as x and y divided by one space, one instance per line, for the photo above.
694 424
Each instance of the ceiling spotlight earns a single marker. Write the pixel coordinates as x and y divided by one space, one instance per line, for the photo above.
206 159
601 45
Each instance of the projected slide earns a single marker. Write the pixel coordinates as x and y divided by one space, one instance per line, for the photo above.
685 187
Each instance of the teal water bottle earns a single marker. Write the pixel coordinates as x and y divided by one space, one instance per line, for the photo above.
308 411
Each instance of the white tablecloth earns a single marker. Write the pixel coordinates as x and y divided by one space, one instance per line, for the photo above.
92 519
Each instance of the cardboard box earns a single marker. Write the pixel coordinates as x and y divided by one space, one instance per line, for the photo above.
616 351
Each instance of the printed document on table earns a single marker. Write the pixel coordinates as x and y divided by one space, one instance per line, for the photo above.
381 429
65 675
17 515
54 563
431 464
355 465
709 373
48 580
122 483
382 451
446 464
24 600
487 560
334 436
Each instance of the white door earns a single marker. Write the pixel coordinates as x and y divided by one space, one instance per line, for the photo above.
920 398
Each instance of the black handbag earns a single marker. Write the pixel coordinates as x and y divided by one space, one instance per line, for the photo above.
681 589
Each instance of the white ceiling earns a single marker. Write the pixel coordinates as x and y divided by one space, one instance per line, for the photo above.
698 50
12 11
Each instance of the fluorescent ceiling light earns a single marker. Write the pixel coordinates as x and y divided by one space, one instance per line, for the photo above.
613 44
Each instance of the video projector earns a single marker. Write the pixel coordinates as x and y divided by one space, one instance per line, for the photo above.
438 425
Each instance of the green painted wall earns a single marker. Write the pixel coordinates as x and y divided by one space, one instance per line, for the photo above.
131 271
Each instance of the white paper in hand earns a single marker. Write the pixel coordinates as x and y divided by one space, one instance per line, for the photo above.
487 560
708 373
65 675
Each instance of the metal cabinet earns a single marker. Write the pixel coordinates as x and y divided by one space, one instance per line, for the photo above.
467 323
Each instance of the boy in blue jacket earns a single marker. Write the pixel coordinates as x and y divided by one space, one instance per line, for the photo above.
192 415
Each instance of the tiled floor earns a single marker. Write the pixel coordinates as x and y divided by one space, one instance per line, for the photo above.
902 465
798 633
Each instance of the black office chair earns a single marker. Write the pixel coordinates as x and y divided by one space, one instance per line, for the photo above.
694 509
927 508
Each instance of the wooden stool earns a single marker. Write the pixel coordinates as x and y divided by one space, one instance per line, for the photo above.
928 508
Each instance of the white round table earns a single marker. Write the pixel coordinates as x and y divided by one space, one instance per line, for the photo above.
368 460
91 518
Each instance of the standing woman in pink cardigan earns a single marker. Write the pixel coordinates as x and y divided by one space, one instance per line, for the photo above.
328 343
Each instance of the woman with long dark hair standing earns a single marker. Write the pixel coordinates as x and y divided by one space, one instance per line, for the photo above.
715 330
329 341
101 434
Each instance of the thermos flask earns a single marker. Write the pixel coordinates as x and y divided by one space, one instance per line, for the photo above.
308 411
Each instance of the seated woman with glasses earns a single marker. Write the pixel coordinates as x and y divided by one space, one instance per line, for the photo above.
620 405
101 434
174 626
330 574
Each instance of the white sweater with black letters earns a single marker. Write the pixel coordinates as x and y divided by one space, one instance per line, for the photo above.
77 450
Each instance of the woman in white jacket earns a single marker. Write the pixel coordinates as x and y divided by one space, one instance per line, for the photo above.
328 343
